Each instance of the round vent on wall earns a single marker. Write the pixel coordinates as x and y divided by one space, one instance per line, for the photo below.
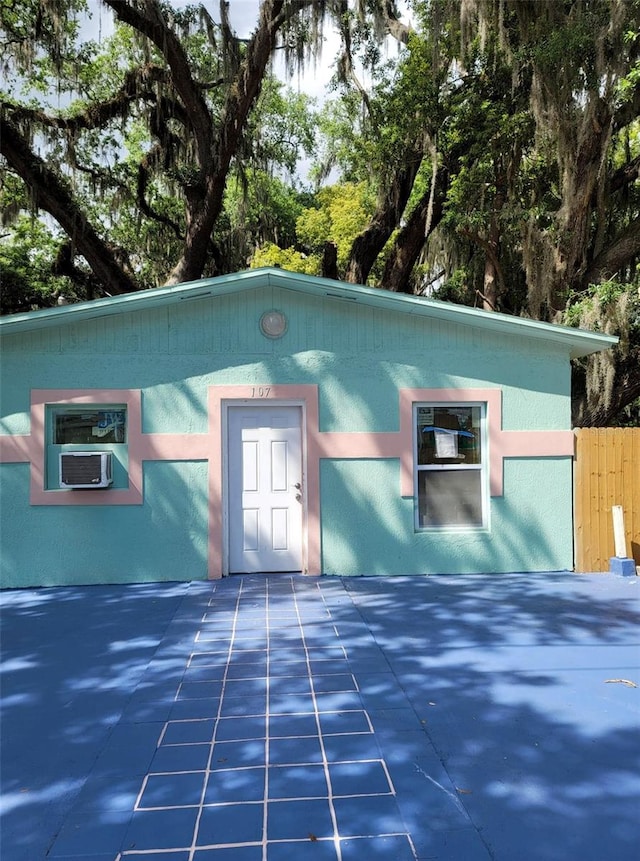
273 324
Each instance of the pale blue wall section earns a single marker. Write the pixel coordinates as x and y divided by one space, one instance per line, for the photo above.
164 539
360 357
534 518
368 529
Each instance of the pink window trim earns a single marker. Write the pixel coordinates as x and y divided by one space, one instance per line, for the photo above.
40 399
32 447
318 444
502 444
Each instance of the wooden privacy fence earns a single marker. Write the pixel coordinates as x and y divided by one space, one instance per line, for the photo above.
606 473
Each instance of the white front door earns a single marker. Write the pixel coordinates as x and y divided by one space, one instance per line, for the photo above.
265 488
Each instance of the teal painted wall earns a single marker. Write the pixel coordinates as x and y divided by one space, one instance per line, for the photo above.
163 539
367 528
359 357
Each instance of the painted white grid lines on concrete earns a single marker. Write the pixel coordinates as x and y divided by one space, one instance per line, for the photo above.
271 750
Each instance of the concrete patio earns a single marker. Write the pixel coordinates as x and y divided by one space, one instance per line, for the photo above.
270 717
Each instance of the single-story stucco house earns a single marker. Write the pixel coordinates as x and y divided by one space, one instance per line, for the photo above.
269 421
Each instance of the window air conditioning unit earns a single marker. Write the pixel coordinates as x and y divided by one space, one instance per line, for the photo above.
85 469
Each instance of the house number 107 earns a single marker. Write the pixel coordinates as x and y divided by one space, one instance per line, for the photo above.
260 391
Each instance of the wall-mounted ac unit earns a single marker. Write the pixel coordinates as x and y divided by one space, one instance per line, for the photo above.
85 469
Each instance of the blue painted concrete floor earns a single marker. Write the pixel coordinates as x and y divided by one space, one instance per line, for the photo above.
274 717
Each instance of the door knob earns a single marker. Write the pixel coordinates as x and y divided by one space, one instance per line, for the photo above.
297 485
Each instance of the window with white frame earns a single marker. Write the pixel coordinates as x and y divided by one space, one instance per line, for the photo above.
450 464
89 428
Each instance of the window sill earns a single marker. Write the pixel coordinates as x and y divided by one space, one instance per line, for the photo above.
484 529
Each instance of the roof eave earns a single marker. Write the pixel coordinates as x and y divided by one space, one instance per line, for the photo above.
584 341
580 342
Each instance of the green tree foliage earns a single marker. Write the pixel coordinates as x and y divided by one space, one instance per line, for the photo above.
28 257
549 208
337 214
504 152
492 160
137 146
270 254
340 214
130 144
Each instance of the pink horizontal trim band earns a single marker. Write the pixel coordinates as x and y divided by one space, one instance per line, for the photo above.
168 446
537 443
357 444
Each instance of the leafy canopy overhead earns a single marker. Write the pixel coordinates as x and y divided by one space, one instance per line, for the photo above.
138 136
492 159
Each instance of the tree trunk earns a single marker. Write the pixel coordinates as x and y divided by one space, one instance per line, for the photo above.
580 162
391 204
206 202
330 261
412 237
619 254
594 411
494 284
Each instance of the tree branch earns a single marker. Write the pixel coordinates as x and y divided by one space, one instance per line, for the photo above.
100 113
152 24
102 177
240 99
486 300
625 175
489 250
52 194
391 205
413 235
628 112
212 85
151 160
395 27
622 251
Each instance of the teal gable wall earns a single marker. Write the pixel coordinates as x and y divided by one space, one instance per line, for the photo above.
360 357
